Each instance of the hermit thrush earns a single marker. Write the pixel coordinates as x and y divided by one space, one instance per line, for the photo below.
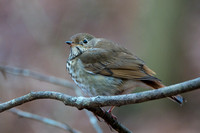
102 67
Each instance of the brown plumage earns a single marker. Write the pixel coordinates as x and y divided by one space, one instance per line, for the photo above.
102 67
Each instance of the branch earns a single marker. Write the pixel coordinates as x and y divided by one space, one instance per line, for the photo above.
93 103
109 119
100 101
43 120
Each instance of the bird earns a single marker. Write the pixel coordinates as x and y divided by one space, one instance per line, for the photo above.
101 67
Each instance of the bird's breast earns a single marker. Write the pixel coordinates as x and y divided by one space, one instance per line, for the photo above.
93 84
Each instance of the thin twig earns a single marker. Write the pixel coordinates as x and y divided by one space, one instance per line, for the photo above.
36 75
43 120
94 121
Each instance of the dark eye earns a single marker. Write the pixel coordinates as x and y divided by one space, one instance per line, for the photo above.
85 41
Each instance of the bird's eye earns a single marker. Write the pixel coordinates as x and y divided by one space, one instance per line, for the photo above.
85 41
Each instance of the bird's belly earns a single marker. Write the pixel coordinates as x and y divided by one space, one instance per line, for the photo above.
94 84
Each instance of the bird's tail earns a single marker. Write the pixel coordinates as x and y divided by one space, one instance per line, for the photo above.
157 84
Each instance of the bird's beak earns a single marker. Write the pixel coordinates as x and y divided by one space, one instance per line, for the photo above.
68 42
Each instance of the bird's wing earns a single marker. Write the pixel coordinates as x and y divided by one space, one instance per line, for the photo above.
116 62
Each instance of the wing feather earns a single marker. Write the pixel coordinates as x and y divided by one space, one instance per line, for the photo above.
116 62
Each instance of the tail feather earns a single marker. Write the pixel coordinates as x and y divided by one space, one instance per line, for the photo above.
178 98
157 84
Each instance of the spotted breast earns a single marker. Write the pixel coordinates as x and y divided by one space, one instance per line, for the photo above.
93 84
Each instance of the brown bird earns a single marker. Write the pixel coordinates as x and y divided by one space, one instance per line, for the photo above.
102 67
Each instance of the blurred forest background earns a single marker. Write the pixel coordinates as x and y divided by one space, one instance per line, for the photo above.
164 33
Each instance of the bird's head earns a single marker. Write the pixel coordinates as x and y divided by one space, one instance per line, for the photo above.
80 43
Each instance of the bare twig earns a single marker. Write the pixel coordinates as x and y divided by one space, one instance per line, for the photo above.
50 79
43 120
36 75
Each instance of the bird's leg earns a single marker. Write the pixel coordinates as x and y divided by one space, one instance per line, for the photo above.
110 112
113 116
